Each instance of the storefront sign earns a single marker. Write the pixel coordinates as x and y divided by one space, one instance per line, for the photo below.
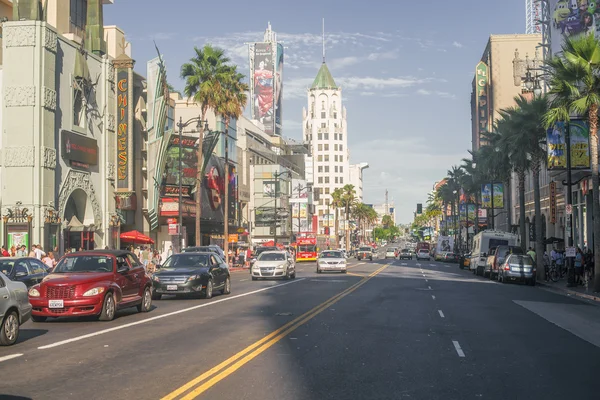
169 207
553 202
482 99
126 202
122 129
173 229
173 191
79 148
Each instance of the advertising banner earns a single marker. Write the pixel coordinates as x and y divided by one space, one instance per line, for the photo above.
486 195
189 161
580 145
481 97
572 18
279 90
79 148
471 216
444 244
552 202
263 86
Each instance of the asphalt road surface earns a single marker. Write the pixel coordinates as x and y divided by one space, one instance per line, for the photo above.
388 329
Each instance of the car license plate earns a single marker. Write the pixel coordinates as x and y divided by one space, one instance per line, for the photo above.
171 287
56 304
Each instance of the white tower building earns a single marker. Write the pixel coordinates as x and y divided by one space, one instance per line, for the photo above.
325 130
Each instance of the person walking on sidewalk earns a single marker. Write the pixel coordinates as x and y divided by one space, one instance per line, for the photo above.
531 253
579 267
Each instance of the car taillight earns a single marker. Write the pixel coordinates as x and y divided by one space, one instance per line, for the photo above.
507 267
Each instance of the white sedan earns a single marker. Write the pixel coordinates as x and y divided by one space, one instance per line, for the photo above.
390 252
331 260
274 264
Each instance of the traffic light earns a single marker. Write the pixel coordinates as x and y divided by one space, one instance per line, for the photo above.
419 208
327 230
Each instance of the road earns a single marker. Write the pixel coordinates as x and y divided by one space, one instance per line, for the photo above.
388 329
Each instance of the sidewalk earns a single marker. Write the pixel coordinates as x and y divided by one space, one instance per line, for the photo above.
578 291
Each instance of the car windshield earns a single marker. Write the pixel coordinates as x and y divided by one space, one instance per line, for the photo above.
406 251
307 248
263 249
271 257
6 266
520 260
84 264
365 249
391 250
186 261
331 254
199 249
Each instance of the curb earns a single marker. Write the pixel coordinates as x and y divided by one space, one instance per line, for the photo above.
569 292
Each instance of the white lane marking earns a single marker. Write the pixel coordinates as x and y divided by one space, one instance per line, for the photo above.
432 265
429 287
441 314
116 328
242 280
10 357
418 265
460 352
433 297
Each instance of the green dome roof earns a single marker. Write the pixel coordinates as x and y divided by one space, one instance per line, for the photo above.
324 80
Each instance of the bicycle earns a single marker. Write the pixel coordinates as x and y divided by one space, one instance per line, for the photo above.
553 272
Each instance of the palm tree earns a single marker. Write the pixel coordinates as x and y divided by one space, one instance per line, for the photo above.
203 74
387 222
348 199
525 134
231 99
336 203
575 86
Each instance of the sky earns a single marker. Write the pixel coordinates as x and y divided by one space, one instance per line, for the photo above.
405 68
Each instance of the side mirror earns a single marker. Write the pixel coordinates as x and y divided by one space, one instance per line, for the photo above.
122 269
21 274
158 266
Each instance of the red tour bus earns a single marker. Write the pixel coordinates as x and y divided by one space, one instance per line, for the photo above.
306 247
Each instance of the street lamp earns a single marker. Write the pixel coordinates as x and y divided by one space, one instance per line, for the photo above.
198 120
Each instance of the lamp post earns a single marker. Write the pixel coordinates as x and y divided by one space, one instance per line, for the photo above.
300 189
180 125
571 269
275 216
456 221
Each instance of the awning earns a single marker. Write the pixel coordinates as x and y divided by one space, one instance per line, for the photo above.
75 225
136 237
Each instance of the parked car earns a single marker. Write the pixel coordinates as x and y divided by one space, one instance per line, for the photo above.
423 254
405 254
496 258
188 273
331 260
464 261
213 248
450 257
28 270
439 256
390 252
364 252
518 267
274 264
15 309
483 242
92 283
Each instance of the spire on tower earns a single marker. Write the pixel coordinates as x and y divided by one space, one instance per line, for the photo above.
323 40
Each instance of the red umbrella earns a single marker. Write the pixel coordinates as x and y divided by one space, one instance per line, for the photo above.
136 237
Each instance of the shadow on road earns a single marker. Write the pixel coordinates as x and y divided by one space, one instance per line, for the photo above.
28 334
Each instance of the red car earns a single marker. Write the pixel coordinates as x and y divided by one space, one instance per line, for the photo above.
92 283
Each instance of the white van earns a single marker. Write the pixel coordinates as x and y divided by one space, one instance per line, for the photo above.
483 242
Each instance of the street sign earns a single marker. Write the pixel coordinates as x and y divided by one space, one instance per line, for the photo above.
570 252
569 209
173 229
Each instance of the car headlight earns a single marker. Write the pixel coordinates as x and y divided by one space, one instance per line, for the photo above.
193 278
280 266
155 278
33 292
94 292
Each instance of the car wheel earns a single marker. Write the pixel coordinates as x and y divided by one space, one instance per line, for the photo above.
146 303
37 318
209 290
287 275
9 332
156 296
293 276
108 308
344 271
227 287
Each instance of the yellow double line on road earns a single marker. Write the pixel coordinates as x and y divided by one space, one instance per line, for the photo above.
235 362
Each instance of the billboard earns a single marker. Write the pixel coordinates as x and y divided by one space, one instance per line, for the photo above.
486 195
471 216
444 244
79 148
580 145
481 98
279 90
263 85
571 18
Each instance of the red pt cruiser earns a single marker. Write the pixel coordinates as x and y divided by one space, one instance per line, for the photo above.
92 283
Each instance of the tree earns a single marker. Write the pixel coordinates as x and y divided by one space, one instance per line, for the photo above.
348 199
205 72
336 203
387 221
230 101
575 89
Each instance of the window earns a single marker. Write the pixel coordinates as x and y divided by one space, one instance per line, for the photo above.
311 137
78 15
335 157
320 147
133 261
320 213
341 158
334 114
320 136
327 202
341 147
326 135
326 147
320 168
78 107
341 137
334 105
326 157
326 190
323 115
323 125
336 179
335 147
322 105
335 125
341 180
336 168
320 179
341 168
319 158
335 136
37 267
327 168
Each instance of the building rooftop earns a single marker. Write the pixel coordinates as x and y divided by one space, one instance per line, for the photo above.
324 80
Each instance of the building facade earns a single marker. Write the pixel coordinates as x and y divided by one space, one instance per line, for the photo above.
356 179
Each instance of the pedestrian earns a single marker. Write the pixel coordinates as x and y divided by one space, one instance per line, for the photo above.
21 251
5 252
579 267
145 256
13 251
49 260
531 253
39 253
170 251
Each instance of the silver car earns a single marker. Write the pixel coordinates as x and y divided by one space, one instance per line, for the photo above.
518 267
15 309
274 264
331 260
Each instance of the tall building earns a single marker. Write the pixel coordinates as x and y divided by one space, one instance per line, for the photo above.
533 15
325 131
266 88
356 179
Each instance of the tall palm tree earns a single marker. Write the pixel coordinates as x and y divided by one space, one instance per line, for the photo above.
231 99
525 133
348 200
205 71
336 203
575 86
